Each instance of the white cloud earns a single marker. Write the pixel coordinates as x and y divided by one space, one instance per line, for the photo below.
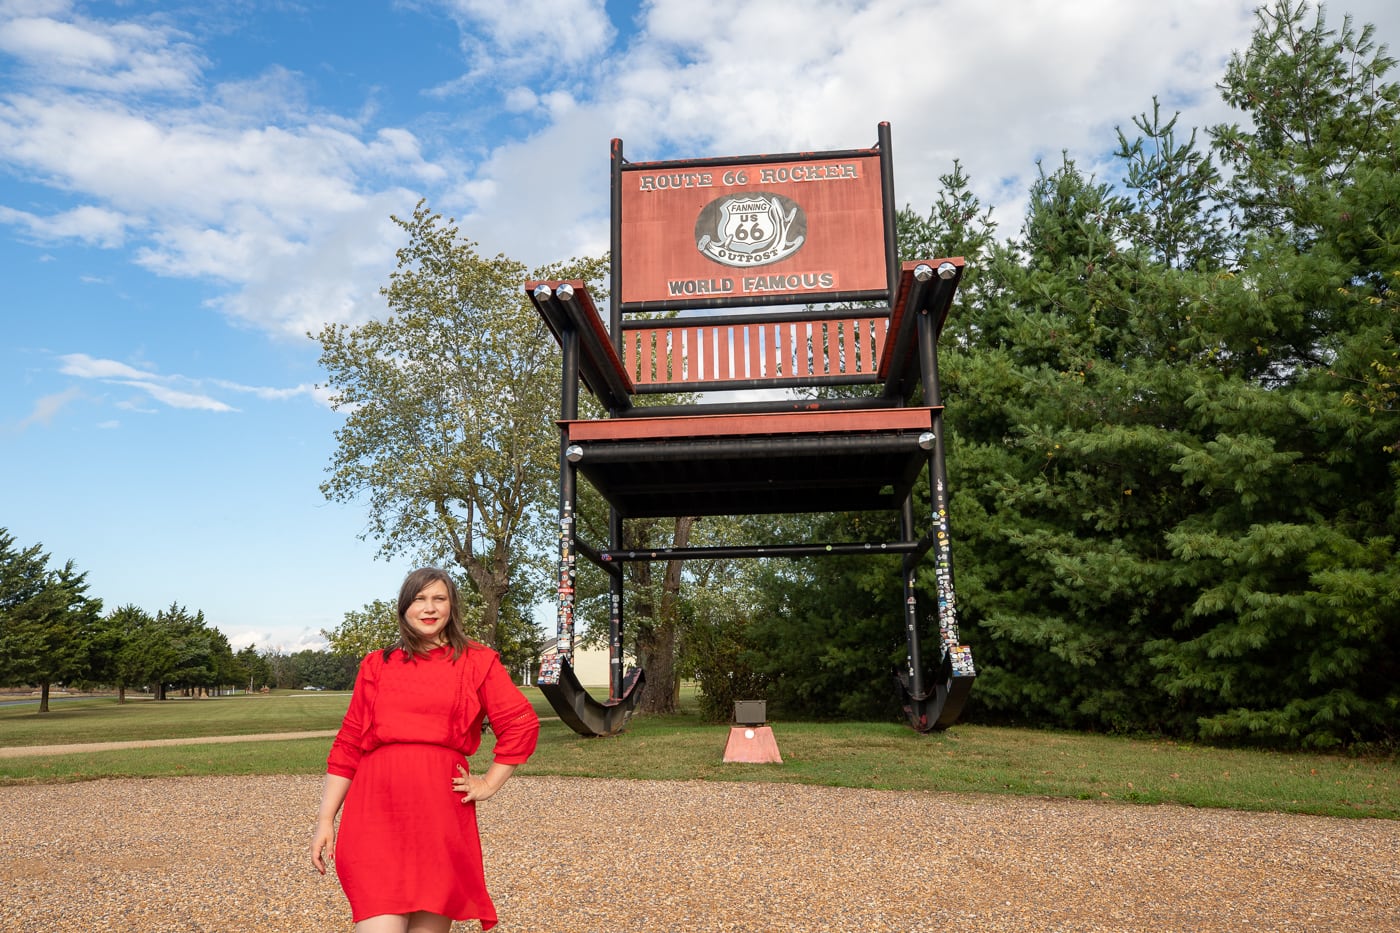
79 53
187 167
160 388
94 226
176 398
243 184
36 38
264 640
50 405
174 391
510 35
521 99
86 367
276 213
331 275
991 84
269 394
238 183
994 85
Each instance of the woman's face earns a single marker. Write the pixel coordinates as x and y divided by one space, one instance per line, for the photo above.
428 613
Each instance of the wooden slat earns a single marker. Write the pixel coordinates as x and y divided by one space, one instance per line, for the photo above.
629 356
882 333
647 355
755 352
727 352
695 353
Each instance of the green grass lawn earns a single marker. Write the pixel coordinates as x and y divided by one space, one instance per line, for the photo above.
106 720
964 759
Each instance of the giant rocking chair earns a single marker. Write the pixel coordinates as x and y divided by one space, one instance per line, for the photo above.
742 276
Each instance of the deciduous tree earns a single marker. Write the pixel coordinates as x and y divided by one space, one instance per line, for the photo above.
447 435
372 627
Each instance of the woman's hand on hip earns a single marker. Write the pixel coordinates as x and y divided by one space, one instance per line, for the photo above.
471 787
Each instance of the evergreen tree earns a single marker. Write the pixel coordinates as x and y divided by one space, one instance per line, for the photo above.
255 669
1175 518
69 625
1293 637
1062 417
179 650
1180 215
827 633
114 659
47 620
23 583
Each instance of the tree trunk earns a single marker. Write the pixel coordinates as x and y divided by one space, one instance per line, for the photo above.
490 619
121 694
671 602
656 642
492 582
44 697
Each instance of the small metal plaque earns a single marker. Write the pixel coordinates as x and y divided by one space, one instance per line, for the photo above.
750 712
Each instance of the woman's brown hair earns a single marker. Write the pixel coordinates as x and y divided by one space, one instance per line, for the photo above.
413 643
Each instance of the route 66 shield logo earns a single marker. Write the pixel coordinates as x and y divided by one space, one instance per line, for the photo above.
750 229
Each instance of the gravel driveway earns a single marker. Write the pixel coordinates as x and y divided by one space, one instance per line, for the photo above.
228 854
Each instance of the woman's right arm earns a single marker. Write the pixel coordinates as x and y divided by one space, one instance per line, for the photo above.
332 796
342 762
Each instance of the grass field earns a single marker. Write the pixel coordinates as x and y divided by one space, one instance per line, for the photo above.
105 720
965 759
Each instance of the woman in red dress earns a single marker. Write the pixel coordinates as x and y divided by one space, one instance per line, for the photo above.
408 854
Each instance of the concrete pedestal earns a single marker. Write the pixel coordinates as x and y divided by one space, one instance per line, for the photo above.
752 745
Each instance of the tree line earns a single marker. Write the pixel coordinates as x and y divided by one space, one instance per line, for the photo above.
53 632
1172 421
1173 428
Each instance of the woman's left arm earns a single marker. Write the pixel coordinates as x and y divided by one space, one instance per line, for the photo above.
515 725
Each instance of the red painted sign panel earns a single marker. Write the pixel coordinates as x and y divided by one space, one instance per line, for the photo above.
751 231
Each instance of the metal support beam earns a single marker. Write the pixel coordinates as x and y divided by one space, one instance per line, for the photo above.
594 555
745 448
615 602
769 550
910 570
568 496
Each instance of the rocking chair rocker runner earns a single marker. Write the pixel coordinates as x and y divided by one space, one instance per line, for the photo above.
721 246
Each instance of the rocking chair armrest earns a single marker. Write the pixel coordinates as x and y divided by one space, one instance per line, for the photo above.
566 306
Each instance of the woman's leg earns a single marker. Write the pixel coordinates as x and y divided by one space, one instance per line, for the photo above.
424 922
383 923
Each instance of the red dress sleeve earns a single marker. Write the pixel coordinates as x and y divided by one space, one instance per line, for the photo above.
513 719
349 746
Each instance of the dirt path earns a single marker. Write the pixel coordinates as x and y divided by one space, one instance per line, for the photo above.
25 751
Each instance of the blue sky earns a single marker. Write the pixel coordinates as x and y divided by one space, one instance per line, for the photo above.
188 188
